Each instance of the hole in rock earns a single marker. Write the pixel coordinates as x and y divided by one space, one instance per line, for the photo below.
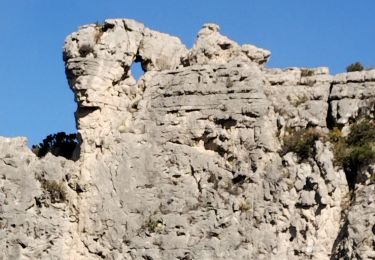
137 70
239 179
226 123
293 233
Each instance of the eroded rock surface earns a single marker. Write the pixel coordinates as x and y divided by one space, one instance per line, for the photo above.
353 94
38 210
184 163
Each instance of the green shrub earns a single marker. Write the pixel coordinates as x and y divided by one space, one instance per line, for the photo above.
357 158
361 133
355 150
335 134
340 152
59 144
307 72
357 66
362 155
302 143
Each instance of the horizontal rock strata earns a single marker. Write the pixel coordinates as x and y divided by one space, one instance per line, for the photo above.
185 162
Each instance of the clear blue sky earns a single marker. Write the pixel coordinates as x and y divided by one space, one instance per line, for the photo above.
35 97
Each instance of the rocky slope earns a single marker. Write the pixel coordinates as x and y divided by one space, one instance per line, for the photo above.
185 163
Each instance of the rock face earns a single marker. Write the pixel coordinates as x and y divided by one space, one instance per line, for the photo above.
37 207
184 163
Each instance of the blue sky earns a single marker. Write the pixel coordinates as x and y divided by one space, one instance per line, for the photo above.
35 98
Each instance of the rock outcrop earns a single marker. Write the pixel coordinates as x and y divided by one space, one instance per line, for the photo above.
185 163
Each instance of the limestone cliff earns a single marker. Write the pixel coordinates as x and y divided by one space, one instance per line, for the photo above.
185 163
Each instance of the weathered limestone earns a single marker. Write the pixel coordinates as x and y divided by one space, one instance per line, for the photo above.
184 163
299 96
213 48
357 234
37 208
353 94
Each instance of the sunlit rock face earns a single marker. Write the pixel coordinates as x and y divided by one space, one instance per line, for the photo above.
185 162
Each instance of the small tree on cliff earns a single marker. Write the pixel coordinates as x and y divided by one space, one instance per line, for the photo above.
357 66
59 144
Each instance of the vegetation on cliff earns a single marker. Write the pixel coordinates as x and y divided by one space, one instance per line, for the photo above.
59 144
352 152
356 150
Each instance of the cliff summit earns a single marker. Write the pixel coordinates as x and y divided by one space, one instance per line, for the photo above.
189 161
